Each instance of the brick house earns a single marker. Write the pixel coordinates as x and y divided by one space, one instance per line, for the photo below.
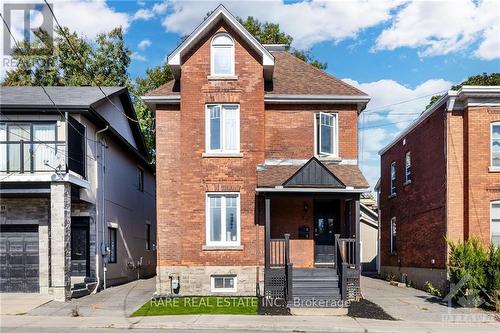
440 179
256 166
77 193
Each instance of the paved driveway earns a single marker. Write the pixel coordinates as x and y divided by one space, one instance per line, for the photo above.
119 301
17 303
415 305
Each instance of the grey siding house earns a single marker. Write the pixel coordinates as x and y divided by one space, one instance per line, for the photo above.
77 194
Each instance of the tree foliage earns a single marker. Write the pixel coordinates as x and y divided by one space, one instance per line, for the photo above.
484 79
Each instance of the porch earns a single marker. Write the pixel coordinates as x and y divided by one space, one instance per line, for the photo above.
312 223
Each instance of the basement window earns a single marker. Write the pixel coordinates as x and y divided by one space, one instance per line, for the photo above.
223 283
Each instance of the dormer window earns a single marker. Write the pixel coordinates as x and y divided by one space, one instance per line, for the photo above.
222 55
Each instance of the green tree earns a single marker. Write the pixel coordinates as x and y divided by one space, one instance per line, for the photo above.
484 79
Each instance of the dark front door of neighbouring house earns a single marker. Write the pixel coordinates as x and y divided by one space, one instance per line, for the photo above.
19 259
325 227
80 265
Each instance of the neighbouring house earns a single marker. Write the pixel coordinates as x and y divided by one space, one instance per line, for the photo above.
369 234
77 191
440 179
257 170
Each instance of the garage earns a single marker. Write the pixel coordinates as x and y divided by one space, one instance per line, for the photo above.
19 259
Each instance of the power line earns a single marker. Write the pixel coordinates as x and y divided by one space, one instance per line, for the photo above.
381 107
80 58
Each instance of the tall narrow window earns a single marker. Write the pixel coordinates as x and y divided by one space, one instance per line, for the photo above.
495 144
393 178
495 223
112 245
408 168
148 236
393 235
140 179
222 55
222 217
326 131
223 128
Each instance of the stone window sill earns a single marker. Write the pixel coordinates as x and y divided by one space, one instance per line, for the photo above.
408 182
494 169
222 248
222 77
392 196
223 155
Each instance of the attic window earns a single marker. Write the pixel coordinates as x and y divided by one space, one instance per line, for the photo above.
222 55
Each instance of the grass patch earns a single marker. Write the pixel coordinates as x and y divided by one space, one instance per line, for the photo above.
199 305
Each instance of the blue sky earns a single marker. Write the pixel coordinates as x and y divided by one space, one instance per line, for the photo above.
395 51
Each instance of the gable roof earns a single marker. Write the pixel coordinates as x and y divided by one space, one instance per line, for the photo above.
220 13
313 174
33 100
271 176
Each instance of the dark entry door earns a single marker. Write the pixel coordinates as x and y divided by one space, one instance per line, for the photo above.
19 259
80 247
325 227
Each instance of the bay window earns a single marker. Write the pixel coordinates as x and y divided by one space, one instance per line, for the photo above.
223 219
223 128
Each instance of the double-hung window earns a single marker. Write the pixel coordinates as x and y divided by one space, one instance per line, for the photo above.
495 145
408 168
222 55
495 223
393 235
223 128
223 219
327 134
393 178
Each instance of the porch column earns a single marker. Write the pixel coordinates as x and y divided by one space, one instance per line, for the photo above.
358 238
60 240
267 230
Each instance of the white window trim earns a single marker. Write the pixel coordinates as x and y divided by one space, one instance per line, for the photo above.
407 181
212 72
491 217
393 221
492 167
222 244
335 138
223 290
208 151
393 181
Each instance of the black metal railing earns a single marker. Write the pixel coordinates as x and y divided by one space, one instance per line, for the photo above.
279 269
347 268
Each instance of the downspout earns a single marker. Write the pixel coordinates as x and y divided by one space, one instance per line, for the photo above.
98 211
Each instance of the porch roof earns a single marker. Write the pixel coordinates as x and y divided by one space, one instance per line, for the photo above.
349 177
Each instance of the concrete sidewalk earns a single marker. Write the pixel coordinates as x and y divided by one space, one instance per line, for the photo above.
119 301
410 304
18 303
242 323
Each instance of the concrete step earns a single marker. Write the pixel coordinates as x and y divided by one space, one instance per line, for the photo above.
314 272
332 279
315 290
77 293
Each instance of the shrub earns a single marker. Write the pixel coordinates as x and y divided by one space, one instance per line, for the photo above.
481 265
432 290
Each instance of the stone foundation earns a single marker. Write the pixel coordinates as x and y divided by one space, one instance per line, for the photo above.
419 276
195 280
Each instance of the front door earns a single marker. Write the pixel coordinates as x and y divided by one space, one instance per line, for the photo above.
80 247
325 227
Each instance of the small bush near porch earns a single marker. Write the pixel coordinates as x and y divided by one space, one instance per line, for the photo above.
199 305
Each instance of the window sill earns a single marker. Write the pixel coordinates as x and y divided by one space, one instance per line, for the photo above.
494 169
223 155
222 248
408 182
328 158
393 254
392 196
222 77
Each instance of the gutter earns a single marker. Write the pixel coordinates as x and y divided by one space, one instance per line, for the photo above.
281 189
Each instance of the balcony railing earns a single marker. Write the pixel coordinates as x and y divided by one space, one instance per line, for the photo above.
32 156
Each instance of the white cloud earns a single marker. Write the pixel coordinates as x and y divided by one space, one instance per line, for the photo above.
147 14
144 44
308 22
137 56
443 27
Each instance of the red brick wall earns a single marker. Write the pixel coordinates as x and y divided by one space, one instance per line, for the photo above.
419 207
182 202
482 186
290 130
